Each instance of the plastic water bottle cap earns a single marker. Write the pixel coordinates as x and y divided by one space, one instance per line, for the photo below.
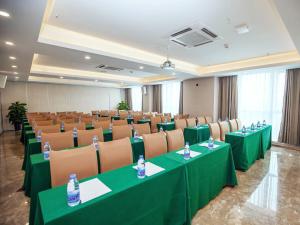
72 176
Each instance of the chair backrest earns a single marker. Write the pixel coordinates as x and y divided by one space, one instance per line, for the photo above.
106 118
239 124
185 116
136 118
68 120
180 124
142 128
82 162
155 144
154 121
71 126
191 122
201 120
47 129
208 119
233 125
104 124
119 132
215 131
43 122
224 128
175 139
115 154
164 118
85 137
58 141
87 120
119 122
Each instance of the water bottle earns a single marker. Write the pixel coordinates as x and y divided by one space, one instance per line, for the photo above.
166 120
95 142
39 136
144 117
186 151
264 123
161 129
252 126
75 132
210 143
244 130
110 126
73 192
141 167
135 135
62 126
46 150
258 124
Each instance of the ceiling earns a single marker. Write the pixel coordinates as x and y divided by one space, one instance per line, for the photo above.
53 37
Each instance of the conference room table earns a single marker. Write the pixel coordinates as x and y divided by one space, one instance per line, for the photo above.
166 126
249 147
129 120
144 121
196 134
171 196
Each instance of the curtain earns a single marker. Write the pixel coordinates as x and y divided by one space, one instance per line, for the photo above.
181 98
260 97
157 98
290 122
128 97
170 97
228 97
136 98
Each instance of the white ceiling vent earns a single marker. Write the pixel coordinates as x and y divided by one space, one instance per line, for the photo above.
192 37
105 67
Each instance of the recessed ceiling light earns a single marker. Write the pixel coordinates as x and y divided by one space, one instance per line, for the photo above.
12 57
141 67
96 80
14 66
5 14
173 73
16 73
9 43
242 29
17 77
87 57
61 77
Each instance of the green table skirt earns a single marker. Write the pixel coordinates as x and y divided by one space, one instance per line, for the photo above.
144 121
166 126
196 135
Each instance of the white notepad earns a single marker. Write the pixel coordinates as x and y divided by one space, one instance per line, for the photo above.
151 169
140 137
206 145
92 189
192 153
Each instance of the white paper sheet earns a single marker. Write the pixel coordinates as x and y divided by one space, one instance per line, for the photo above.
92 189
140 137
206 145
192 153
151 169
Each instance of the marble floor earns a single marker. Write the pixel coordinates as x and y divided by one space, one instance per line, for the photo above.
268 193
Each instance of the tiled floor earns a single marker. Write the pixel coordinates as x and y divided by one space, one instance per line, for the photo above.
268 193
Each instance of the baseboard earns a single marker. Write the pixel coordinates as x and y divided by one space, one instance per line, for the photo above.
284 145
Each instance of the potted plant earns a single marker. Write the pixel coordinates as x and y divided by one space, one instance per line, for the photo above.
123 106
16 112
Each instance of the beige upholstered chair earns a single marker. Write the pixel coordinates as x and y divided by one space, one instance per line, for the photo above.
208 119
103 124
154 121
119 122
175 139
119 132
185 116
180 124
164 118
85 137
87 120
215 132
124 115
43 123
68 120
58 141
106 118
82 162
239 124
47 129
191 122
136 118
142 128
71 126
201 120
155 144
233 125
224 128
115 154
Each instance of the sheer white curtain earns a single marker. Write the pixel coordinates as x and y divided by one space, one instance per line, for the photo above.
170 97
136 98
260 97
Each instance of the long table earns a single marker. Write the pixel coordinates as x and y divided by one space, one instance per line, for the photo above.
197 134
166 126
249 147
169 197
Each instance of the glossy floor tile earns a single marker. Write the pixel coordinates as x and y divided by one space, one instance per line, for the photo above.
268 193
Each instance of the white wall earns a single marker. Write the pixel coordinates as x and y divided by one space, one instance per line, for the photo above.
58 97
202 99
148 99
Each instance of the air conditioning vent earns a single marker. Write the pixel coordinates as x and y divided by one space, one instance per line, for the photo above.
190 37
105 67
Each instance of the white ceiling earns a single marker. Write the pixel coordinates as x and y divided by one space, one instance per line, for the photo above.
141 25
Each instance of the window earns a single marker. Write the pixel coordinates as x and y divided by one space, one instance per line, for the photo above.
136 97
260 97
170 97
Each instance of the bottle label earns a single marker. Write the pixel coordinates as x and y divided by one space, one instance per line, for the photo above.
141 172
46 155
73 196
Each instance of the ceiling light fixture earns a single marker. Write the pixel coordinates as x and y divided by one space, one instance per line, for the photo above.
16 73
14 66
87 57
167 65
4 14
9 43
141 67
61 77
17 77
242 29
96 80
12 57
173 73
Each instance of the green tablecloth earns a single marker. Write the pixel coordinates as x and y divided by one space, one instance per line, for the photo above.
115 117
207 174
144 121
249 147
129 120
196 135
166 126
37 174
24 123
